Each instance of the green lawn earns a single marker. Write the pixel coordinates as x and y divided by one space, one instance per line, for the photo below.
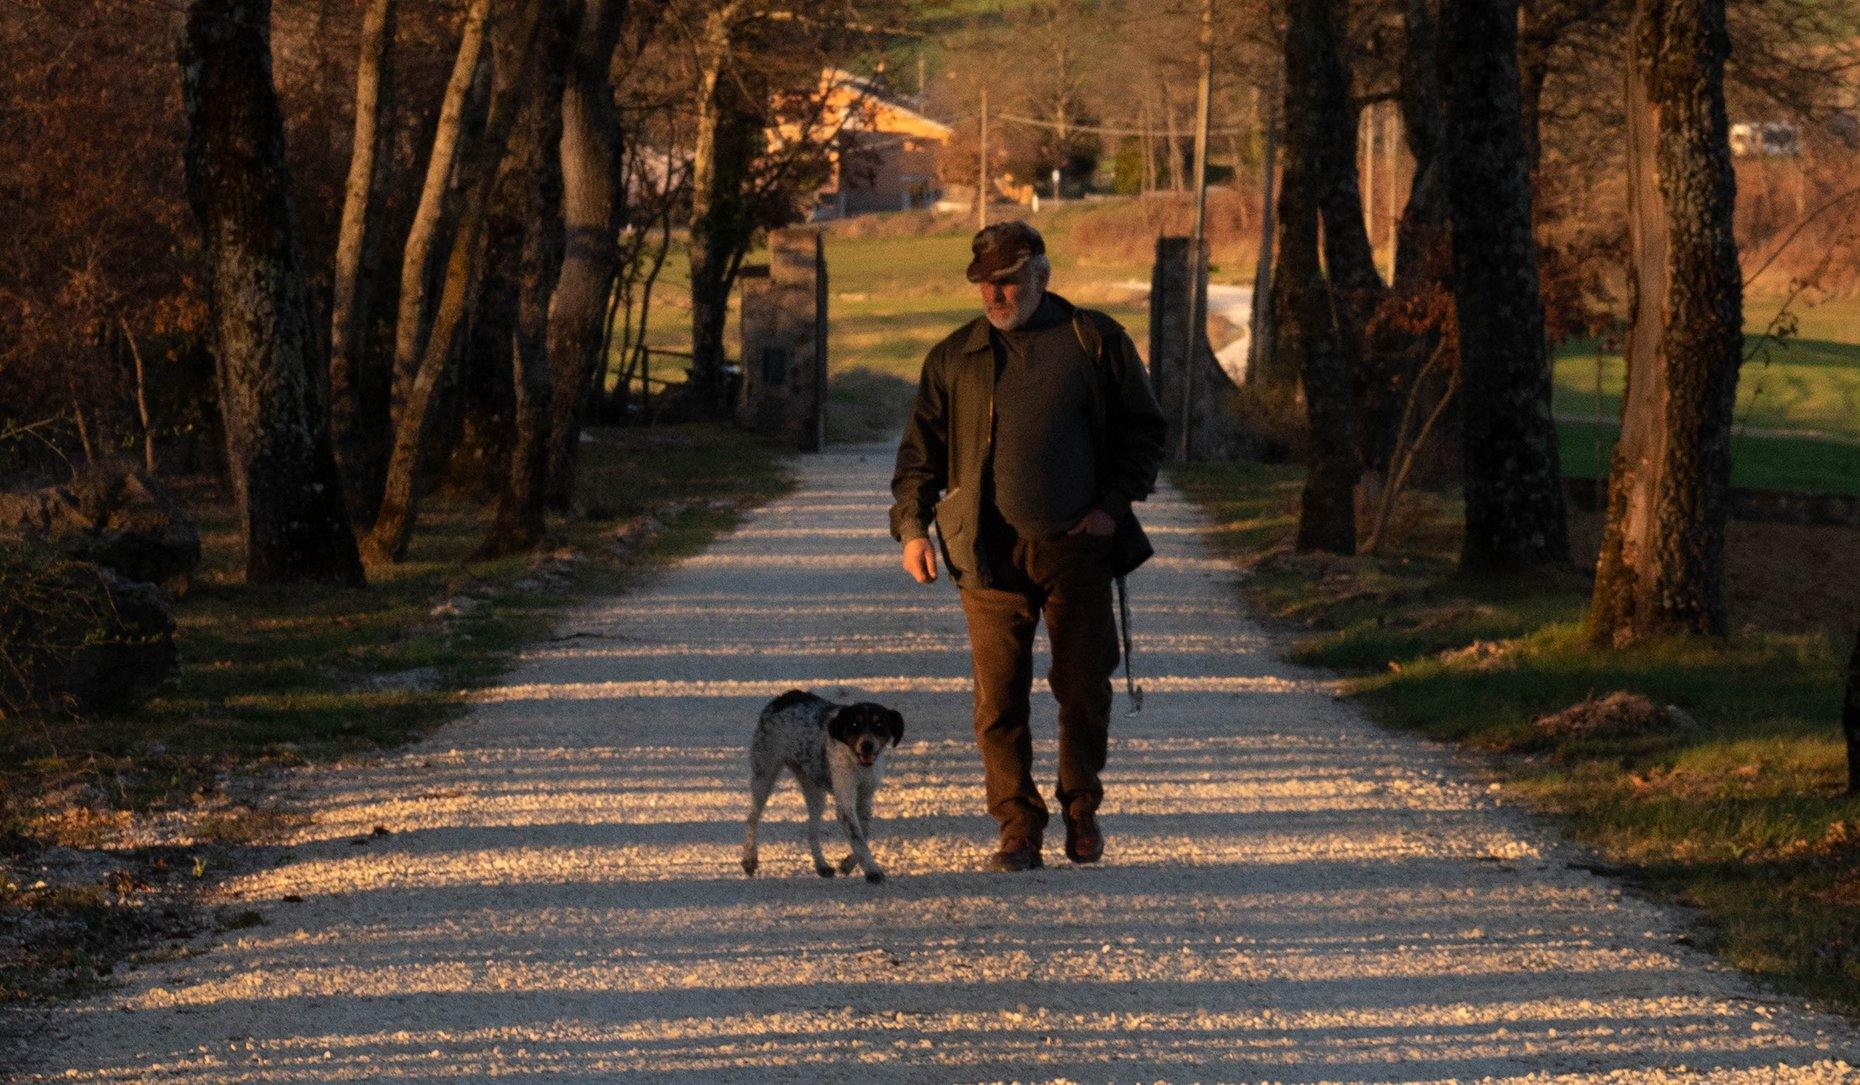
1758 462
894 293
1808 382
890 299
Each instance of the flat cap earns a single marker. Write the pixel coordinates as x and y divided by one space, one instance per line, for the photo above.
1003 249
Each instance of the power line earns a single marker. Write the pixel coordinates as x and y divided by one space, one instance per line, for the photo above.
1098 129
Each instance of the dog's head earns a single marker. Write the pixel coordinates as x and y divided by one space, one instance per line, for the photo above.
866 729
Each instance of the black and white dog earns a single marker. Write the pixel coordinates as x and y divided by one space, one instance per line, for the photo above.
829 748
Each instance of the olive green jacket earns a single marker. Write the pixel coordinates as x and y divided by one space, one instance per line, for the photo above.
949 440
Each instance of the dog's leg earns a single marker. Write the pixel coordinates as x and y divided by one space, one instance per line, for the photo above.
846 800
761 784
816 806
866 789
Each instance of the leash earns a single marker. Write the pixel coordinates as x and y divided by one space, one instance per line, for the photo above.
1130 685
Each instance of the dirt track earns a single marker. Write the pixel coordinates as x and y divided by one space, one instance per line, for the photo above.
1289 893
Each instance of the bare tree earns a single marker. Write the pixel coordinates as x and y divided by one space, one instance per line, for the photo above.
513 39
277 439
360 431
534 178
423 256
729 138
1306 340
592 206
768 91
1661 569
1515 514
1422 226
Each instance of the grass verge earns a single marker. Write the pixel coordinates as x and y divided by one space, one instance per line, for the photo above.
1741 815
279 676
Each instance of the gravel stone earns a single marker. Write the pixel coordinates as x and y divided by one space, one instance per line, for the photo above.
1288 893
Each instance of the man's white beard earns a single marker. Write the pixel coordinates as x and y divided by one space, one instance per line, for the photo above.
1029 301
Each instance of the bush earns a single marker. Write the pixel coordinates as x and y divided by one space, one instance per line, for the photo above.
77 637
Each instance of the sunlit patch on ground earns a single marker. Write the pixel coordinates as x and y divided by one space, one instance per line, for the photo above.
550 888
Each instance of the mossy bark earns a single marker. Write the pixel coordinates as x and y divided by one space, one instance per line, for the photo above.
282 467
1661 569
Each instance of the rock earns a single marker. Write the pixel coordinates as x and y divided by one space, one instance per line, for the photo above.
79 636
110 516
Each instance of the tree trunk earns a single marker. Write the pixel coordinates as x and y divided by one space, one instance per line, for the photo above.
1533 72
1661 569
1423 260
592 204
513 46
536 173
1850 719
278 451
424 257
1305 323
1514 496
1356 287
729 130
1421 233
1259 340
358 421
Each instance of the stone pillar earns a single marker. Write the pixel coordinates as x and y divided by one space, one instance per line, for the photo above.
1170 279
1213 427
784 389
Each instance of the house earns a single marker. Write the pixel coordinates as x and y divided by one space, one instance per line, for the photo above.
1764 139
886 159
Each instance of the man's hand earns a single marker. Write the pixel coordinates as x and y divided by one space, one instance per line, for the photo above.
920 560
1096 522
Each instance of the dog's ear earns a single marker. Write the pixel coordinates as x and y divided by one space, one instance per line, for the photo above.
894 724
839 725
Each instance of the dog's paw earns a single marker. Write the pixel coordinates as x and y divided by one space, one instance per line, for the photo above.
749 865
824 870
847 864
874 876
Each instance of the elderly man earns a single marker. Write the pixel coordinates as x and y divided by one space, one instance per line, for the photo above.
1036 427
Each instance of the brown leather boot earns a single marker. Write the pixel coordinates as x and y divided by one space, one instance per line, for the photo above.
1084 840
1016 853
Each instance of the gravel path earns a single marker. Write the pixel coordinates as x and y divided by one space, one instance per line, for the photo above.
1289 893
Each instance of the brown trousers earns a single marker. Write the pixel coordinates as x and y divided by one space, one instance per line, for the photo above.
1068 581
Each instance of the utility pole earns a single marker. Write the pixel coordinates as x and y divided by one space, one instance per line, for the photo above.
1191 359
981 188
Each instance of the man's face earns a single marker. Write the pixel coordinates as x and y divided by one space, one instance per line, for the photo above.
1009 301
